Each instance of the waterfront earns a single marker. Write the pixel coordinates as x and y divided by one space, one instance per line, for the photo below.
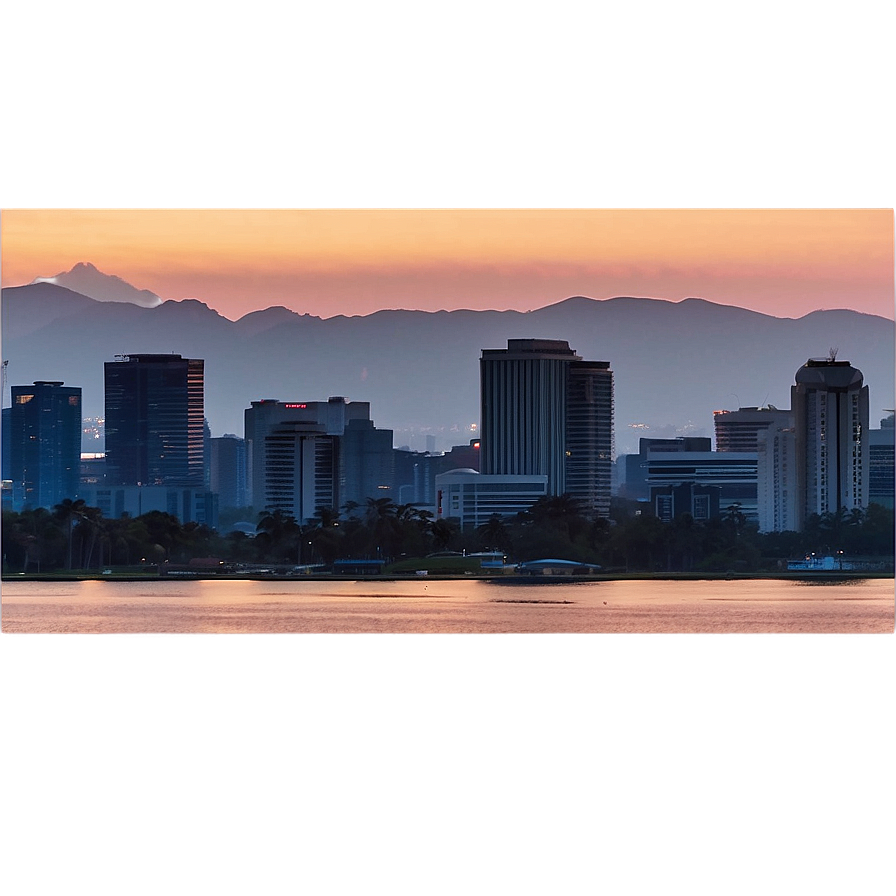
448 606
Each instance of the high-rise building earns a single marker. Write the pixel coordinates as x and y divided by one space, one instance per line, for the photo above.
739 430
546 412
306 455
777 493
830 409
228 471
589 434
44 443
154 420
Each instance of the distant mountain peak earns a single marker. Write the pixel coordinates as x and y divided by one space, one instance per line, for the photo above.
86 279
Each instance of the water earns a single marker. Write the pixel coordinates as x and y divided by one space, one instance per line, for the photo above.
865 605
587 754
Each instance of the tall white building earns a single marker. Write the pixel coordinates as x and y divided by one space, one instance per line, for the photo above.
546 412
776 473
830 409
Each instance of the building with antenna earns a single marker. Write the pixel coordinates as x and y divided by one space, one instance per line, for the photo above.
830 409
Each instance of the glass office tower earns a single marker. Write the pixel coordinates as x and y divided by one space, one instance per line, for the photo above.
44 443
154 420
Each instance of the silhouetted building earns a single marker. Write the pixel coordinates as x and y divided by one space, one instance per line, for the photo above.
672 501
44 443
189 505
589 434
154 420
228 473
5 445
365 463
546 412
881 464
830 409
415 472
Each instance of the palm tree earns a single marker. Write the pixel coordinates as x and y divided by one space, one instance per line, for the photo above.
493 533
280 534
66 512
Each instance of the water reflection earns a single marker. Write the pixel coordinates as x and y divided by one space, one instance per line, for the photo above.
449 606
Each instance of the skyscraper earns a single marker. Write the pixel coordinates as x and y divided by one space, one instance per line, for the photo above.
545 411
830 409
307 455
228 472
44 443
589 434
154 420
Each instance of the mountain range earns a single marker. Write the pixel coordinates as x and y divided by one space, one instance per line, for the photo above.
673 362
84 278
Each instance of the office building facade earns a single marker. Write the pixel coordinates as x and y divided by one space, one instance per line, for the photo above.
830 408
636 487
303 456
154 420
739 430
44 444
777 494
881 464
473 498
546 412
733 473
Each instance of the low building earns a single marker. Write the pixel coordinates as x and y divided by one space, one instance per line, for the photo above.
881 464
672 501
732 472
189 505
635 487
474 498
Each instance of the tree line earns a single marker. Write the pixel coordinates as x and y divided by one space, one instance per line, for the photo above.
73 536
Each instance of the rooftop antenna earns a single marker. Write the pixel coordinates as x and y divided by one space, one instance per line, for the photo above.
832 354
5 379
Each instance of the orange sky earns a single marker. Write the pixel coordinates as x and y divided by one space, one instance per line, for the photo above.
461 154
330 262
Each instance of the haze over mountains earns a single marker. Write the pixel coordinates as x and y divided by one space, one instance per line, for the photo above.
674 362
84 278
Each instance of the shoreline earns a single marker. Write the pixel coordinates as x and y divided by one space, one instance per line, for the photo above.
796 575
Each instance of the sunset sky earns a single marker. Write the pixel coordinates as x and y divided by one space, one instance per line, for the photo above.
342 157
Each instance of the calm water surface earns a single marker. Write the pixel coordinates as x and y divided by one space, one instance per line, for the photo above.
452 606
